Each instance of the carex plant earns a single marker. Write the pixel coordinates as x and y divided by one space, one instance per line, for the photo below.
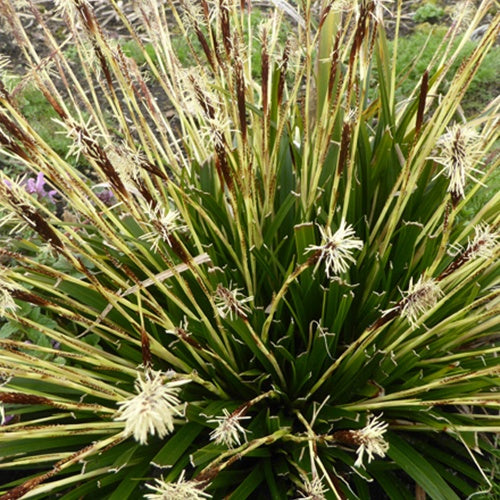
252 268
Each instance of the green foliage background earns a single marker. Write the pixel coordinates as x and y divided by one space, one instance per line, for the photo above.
207 262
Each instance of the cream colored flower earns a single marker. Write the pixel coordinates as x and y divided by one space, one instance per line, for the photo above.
459 154
370 440
313 490
69 8
343 5
6 288
153 409
126 162
6 301
419 298
231 302
163 222
83 136
181 490
228 429
484 243
336 248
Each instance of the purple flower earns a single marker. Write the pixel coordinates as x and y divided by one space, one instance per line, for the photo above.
6 420
38 187
106 196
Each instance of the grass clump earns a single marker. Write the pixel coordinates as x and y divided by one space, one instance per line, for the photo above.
273 294
428 13
135 51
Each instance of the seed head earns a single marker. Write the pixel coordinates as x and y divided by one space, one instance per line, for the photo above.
228 429
193 15
153 409
336 249
181 490
69 9
343 6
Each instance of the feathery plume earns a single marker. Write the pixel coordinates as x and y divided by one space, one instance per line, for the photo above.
181 490
231 302
152 410
336 248
228 429
370 440
419 298
459 154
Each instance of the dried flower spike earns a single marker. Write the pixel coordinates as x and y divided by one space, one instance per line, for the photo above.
153 409
181 490
228 429
336 249
419 298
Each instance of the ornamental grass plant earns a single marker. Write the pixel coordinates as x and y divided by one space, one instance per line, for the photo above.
273 291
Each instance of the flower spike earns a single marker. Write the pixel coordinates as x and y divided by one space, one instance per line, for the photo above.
181 490
231 302
336 248
419 298
228 429
370 440
313 489
153 409
459 154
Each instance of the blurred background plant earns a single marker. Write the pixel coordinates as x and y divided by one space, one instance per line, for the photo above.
419 48
428 12
262 280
